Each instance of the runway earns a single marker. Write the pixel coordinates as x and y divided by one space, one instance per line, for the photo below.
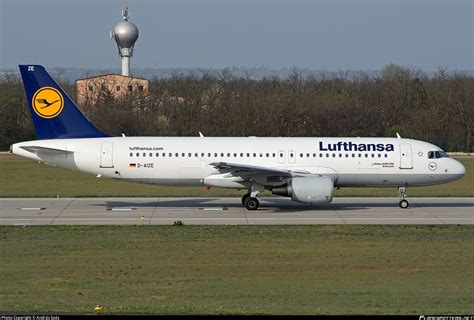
229 211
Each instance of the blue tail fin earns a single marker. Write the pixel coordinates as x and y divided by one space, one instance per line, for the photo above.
55 116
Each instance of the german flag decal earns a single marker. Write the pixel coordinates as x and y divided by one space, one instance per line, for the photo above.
132 165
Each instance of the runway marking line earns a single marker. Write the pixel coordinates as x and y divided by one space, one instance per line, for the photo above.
241 218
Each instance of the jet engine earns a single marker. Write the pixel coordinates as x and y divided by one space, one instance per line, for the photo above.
313 189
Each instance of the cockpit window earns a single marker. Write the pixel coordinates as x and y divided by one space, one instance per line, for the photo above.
437 154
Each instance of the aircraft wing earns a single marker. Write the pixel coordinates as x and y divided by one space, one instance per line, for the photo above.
239 169
43 150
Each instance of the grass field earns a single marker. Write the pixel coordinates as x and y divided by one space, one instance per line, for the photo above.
246 270
20 177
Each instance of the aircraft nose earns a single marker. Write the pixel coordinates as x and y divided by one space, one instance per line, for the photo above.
458 169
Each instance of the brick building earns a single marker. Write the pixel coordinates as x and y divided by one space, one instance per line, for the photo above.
91 90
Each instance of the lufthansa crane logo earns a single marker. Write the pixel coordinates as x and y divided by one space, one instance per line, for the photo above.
48 102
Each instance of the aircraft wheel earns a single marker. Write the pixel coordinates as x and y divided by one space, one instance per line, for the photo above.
251 203
403 204
244 197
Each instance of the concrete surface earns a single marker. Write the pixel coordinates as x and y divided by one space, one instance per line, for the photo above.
229 211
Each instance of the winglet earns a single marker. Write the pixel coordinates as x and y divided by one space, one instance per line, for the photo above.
398 136
201 135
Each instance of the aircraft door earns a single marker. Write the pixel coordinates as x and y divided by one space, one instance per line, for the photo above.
406 160
107 155
291 156
281 156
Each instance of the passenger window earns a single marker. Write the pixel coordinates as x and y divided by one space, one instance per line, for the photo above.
163 154
281 155
222 154
190 155
248 154
261 155
291 155
366 155
209 155
176 154
340 155
327 155
320 155
254 155
157 154
273 155
386 155
228 154
196 154
373 155
215 154
235 155
333 155
347 155
144 154
353 155
183 154
241 155
380 156
131 154
360 155
267 155
301 155
151 154
314 155
307 155
170 154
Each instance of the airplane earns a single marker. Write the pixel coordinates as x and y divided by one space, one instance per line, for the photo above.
305 169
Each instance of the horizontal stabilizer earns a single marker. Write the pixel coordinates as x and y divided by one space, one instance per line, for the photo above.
43 150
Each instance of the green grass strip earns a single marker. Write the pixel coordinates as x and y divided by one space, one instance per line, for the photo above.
345 269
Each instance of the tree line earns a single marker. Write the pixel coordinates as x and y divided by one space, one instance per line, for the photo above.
438 109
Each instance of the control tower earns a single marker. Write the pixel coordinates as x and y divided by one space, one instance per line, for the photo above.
125 35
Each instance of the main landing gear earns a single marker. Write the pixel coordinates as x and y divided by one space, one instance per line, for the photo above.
251 203
403 202
249 200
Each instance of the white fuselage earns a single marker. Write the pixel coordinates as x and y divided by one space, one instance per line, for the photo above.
185 161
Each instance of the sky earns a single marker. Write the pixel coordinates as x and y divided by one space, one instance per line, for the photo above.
327 35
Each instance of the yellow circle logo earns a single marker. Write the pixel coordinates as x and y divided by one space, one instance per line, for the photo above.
48 102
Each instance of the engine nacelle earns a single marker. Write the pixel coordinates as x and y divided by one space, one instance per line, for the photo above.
311 190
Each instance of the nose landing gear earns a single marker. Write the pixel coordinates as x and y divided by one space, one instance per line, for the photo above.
403 202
